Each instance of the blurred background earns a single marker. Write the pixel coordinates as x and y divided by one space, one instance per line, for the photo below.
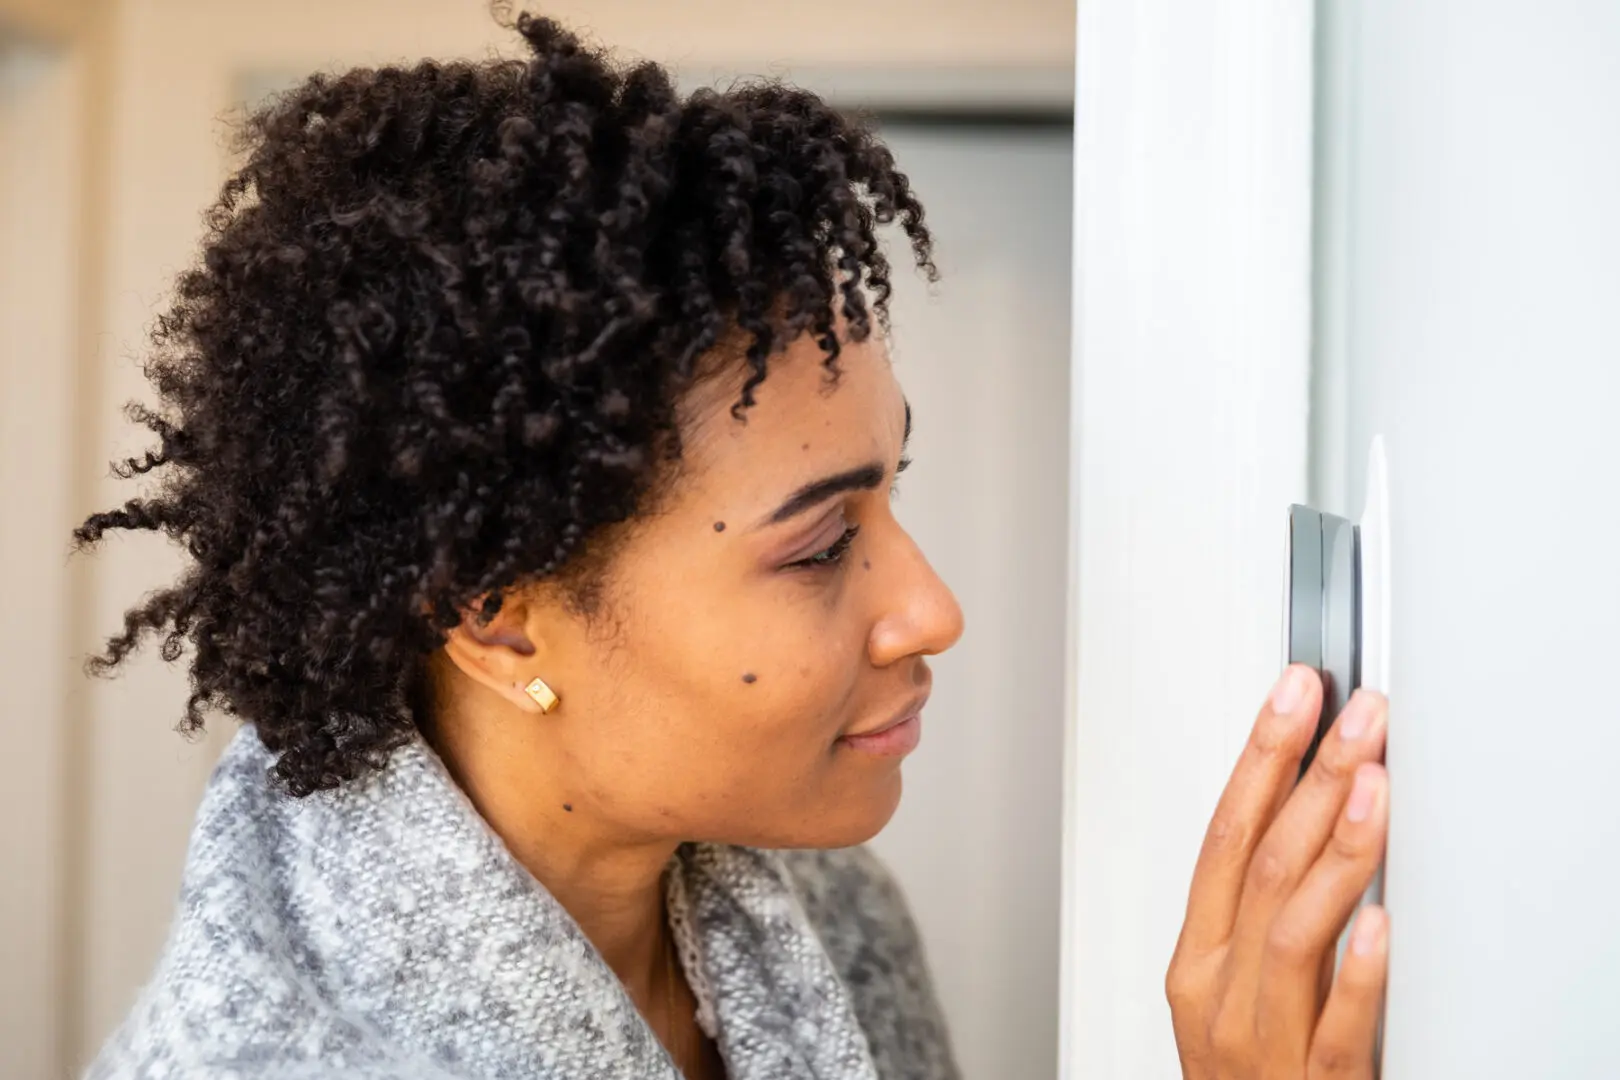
114 120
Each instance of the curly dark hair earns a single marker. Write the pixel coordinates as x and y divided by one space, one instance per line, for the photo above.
434 348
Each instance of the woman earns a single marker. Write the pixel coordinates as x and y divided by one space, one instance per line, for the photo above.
577 657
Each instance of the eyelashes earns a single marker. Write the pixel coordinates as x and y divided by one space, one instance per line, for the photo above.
894 487
833 555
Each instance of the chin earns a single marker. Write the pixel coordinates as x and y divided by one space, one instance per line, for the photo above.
859 817
847 816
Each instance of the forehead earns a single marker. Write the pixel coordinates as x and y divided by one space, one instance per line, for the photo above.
800 419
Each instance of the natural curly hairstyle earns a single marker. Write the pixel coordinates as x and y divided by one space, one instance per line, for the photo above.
434 348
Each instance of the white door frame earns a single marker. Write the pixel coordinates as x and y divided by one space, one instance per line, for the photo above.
1192 342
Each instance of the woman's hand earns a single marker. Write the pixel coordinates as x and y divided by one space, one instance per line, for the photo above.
1252 990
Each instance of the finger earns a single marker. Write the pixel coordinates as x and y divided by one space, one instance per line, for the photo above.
1306 931
1301 828
1324 980
1346 1040
1357 736
1259 783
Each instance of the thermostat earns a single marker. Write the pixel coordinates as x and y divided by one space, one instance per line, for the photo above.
1336 597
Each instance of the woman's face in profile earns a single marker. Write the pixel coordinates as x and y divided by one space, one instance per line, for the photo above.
772 606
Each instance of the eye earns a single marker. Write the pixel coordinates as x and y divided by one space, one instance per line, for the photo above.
831 555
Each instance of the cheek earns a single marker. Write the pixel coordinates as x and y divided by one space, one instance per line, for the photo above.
736 706
769 691
753 655
715 713
694 751
794 699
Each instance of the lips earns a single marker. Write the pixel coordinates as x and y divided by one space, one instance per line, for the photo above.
894 741
890 737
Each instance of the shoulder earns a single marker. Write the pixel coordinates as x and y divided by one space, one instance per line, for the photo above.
228 991
860 912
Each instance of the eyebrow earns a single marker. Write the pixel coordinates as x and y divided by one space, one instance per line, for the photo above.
861 478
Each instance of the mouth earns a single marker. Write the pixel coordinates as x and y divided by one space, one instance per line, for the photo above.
897 736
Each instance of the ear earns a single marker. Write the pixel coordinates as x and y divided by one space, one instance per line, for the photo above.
500 655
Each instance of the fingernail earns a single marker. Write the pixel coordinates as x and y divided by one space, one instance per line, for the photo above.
1290 690
1362 795
1368 934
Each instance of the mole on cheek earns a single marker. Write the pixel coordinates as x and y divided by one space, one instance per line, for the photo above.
568 807
749 677
866 564
719 526
806 446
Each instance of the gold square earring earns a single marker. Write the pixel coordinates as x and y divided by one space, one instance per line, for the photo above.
542 694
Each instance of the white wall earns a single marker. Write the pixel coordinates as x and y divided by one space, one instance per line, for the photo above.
1480 283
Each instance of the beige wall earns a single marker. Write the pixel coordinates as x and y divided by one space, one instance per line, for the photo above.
691 34
45 20
105 850
37 406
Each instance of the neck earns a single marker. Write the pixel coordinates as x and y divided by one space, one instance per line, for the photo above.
610 883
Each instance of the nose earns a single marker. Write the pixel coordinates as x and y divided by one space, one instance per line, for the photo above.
918 613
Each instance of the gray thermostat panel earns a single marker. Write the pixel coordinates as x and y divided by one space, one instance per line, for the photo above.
1322 608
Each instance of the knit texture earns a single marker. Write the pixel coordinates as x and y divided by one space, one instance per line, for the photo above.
384 930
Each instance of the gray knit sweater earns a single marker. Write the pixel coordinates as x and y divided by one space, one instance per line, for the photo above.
383 930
